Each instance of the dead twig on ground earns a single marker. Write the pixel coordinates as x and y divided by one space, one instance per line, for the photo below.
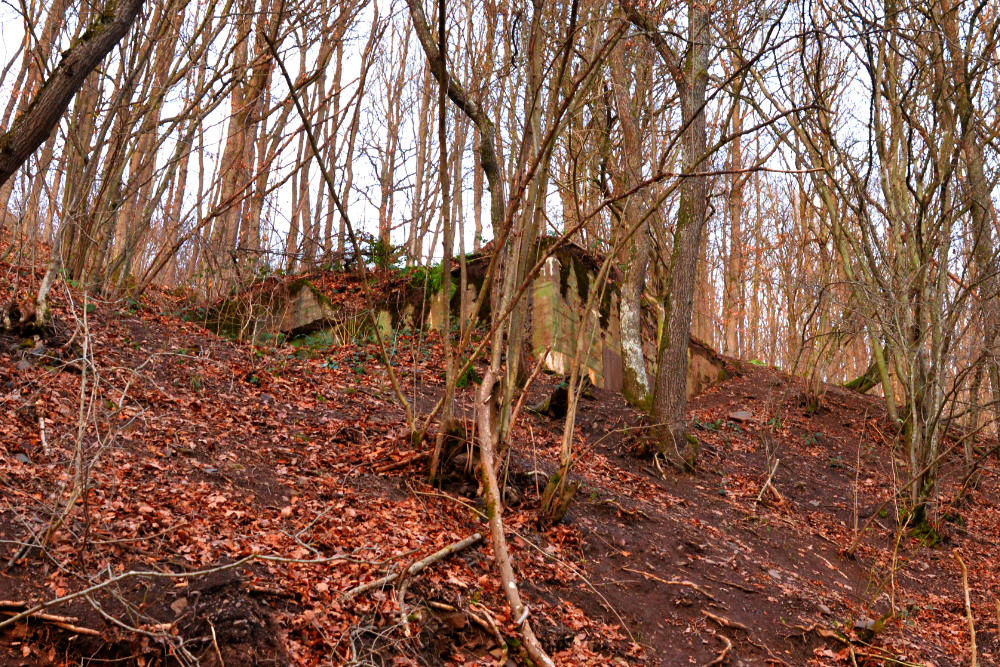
416 567
968 609
728 623
215 645
726 582
389 467
769 486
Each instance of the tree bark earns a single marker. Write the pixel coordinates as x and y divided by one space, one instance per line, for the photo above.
691 79
635 380
32 128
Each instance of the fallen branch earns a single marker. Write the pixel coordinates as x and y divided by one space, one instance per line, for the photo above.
389 467
417 567
768 485
968 609
727 582
494 515
672 582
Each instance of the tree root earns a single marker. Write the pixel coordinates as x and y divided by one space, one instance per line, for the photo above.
673 582
65 622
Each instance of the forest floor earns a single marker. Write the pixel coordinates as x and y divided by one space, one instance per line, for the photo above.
196 452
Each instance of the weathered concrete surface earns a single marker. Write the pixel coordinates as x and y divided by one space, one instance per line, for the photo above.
291 308
557 309
559 297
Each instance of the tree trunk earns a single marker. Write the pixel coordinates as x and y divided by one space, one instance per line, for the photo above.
34 126
635 381
670 391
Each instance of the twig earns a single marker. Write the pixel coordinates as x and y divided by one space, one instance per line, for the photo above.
725 622
968 609
489 621
41 431
767 483
417 567
404 583
142 538
389 467
672 582
485 621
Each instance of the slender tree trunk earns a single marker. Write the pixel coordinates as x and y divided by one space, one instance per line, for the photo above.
670 392
732 300
635 381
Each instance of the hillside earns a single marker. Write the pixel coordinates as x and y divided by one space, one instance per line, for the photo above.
190 452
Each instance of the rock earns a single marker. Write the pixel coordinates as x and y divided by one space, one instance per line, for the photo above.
740 416
825 610
774 574
23 365
23 458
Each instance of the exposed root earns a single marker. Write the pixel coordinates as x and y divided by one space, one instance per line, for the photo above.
721 658
672 582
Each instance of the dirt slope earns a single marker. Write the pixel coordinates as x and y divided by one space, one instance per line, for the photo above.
202 452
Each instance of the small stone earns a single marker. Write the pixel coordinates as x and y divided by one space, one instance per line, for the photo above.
825 610
23 365
740 416
179 605
774 574
23 458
